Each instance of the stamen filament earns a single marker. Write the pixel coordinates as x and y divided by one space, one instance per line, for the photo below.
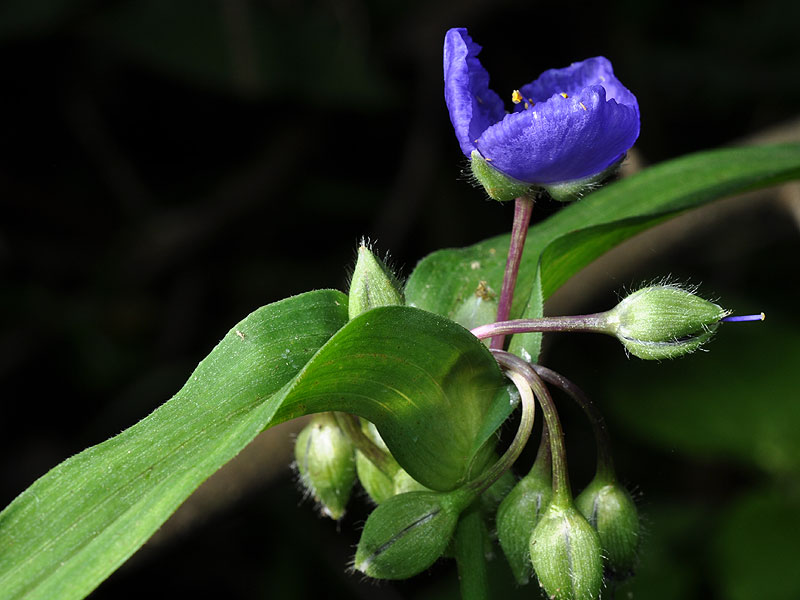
743 318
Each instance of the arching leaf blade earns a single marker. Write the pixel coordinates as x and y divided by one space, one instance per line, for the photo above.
81 520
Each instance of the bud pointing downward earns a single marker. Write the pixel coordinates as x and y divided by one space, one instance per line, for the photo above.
566 555
610 510
325 462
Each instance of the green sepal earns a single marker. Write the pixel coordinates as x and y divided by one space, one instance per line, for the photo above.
326 465
566 554
406 534
498 185
568 191
610 509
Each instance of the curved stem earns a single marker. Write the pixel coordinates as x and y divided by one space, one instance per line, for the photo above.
523 207
488 477
594 323
562 494
351 426
605 462
542 466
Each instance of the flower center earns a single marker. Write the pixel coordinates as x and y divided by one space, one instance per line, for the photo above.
517 97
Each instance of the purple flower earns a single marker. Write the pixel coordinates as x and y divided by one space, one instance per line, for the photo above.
568 124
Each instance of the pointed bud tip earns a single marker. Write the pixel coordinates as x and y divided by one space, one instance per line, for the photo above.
373 284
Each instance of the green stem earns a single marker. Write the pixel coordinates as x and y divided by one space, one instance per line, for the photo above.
605 462
562 494
488 477
351 426
470 555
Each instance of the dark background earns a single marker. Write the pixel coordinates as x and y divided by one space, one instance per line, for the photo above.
168 166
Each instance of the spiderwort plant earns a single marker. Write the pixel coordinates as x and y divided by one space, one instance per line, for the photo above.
407 399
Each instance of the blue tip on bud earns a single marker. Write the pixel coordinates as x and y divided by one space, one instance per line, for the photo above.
744 318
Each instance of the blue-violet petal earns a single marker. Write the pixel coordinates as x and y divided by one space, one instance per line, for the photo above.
472 105
562 139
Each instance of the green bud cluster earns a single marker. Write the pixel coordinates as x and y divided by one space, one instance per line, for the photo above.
325 462
663 321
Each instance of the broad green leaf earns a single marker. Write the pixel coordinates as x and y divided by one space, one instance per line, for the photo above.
76 524
576 235
434 392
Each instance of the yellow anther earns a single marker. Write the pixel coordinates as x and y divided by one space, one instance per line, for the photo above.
526 105
583 106
516 97
564 95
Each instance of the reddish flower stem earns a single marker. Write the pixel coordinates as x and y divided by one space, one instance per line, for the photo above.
595 323
523 207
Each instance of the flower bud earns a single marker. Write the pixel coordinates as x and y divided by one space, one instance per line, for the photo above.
517 517
325 463
566 555
498 185
610 510
373 284
663 321
407 533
